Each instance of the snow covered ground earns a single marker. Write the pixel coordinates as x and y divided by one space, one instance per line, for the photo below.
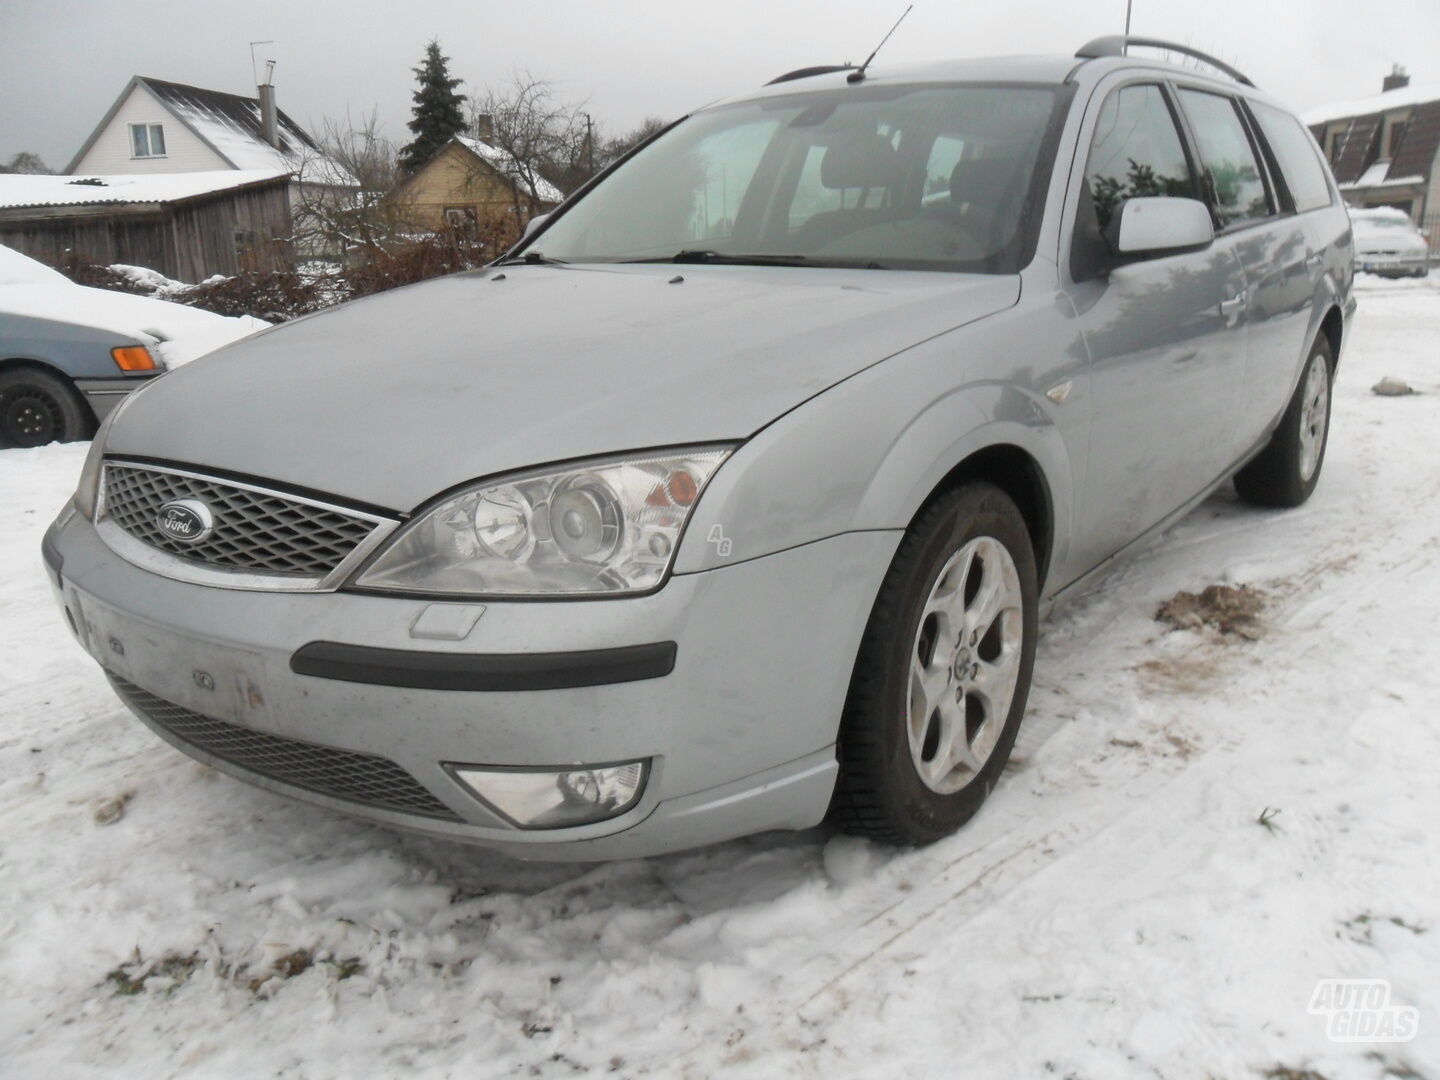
1197 828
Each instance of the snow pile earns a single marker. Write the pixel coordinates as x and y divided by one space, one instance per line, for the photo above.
1198 826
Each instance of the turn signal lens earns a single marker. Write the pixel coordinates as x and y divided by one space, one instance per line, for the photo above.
133 358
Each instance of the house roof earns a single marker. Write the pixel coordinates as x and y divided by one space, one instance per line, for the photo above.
1402 98
497 159
1358 164
230 125
24 190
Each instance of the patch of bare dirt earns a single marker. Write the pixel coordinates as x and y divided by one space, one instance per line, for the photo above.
1232 610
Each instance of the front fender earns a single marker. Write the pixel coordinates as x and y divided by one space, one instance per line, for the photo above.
867 453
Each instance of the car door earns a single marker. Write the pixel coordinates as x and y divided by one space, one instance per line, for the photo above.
1273 247
1306 186
1164 337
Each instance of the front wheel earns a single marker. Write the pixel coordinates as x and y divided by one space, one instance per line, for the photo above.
1287 470
943 672
37 407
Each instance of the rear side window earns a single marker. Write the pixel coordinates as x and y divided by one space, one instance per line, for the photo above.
1228 158
1298 157
1136 151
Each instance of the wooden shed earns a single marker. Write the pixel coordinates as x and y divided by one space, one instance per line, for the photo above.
188 226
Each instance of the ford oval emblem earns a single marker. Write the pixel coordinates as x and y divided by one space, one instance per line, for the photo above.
186 520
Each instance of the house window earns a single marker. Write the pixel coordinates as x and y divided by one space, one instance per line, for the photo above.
147 140
1393 136
463 220
1334 139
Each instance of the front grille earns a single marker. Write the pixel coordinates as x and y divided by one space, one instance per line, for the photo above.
254 530
341 774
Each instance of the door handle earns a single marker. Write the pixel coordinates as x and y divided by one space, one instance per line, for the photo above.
1232 308
1312 262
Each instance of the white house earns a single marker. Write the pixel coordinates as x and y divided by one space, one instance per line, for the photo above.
156 126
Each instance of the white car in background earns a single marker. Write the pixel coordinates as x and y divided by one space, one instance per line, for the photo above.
70 353
1388 243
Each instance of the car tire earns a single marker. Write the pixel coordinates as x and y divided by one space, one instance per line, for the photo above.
1287 470
38 407
943 672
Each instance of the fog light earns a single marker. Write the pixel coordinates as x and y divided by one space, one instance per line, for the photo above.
554 799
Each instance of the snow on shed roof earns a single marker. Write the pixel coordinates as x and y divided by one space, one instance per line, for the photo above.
1402 98
17 189
498 160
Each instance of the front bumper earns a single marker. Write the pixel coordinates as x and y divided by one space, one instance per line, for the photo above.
1393 265
740 733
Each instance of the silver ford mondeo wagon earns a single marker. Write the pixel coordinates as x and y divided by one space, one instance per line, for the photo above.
732 495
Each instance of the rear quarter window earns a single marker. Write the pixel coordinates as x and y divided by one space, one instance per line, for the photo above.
1297 155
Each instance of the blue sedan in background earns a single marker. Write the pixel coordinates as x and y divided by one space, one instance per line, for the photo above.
69 354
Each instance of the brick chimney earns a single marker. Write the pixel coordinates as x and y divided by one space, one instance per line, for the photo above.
485 127
269 119
1395 80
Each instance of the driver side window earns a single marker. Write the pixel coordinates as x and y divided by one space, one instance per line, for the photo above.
1136 151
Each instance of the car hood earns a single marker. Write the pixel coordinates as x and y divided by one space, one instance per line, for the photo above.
392 399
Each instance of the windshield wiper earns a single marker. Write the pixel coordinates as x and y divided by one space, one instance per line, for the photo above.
533 258
726 258
705 256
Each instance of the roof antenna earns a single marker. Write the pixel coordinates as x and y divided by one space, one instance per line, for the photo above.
254 75
859 73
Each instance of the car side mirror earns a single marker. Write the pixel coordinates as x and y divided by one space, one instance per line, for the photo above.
533 224
1150 226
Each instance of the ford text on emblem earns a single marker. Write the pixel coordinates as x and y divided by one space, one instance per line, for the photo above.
186 520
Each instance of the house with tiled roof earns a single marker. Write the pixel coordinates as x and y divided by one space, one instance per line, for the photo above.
1385 149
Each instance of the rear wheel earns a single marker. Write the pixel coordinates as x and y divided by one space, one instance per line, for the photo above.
943 672
1287 470
37 407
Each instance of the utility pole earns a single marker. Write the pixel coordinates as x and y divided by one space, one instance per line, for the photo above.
590 141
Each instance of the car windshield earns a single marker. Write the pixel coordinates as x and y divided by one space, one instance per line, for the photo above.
911 177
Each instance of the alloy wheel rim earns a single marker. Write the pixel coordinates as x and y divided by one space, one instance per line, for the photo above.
964 665
1314 416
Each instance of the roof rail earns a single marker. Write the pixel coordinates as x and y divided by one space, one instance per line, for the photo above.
1115 44
809 72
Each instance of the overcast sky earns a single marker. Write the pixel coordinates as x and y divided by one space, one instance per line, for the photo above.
64 61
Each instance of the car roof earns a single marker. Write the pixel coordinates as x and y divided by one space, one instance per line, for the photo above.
1055 70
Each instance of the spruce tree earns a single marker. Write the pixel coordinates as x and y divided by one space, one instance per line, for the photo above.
437 109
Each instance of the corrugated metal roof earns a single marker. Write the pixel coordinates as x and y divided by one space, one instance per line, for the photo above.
17 190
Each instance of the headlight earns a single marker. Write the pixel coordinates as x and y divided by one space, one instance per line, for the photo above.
87 492
608 526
